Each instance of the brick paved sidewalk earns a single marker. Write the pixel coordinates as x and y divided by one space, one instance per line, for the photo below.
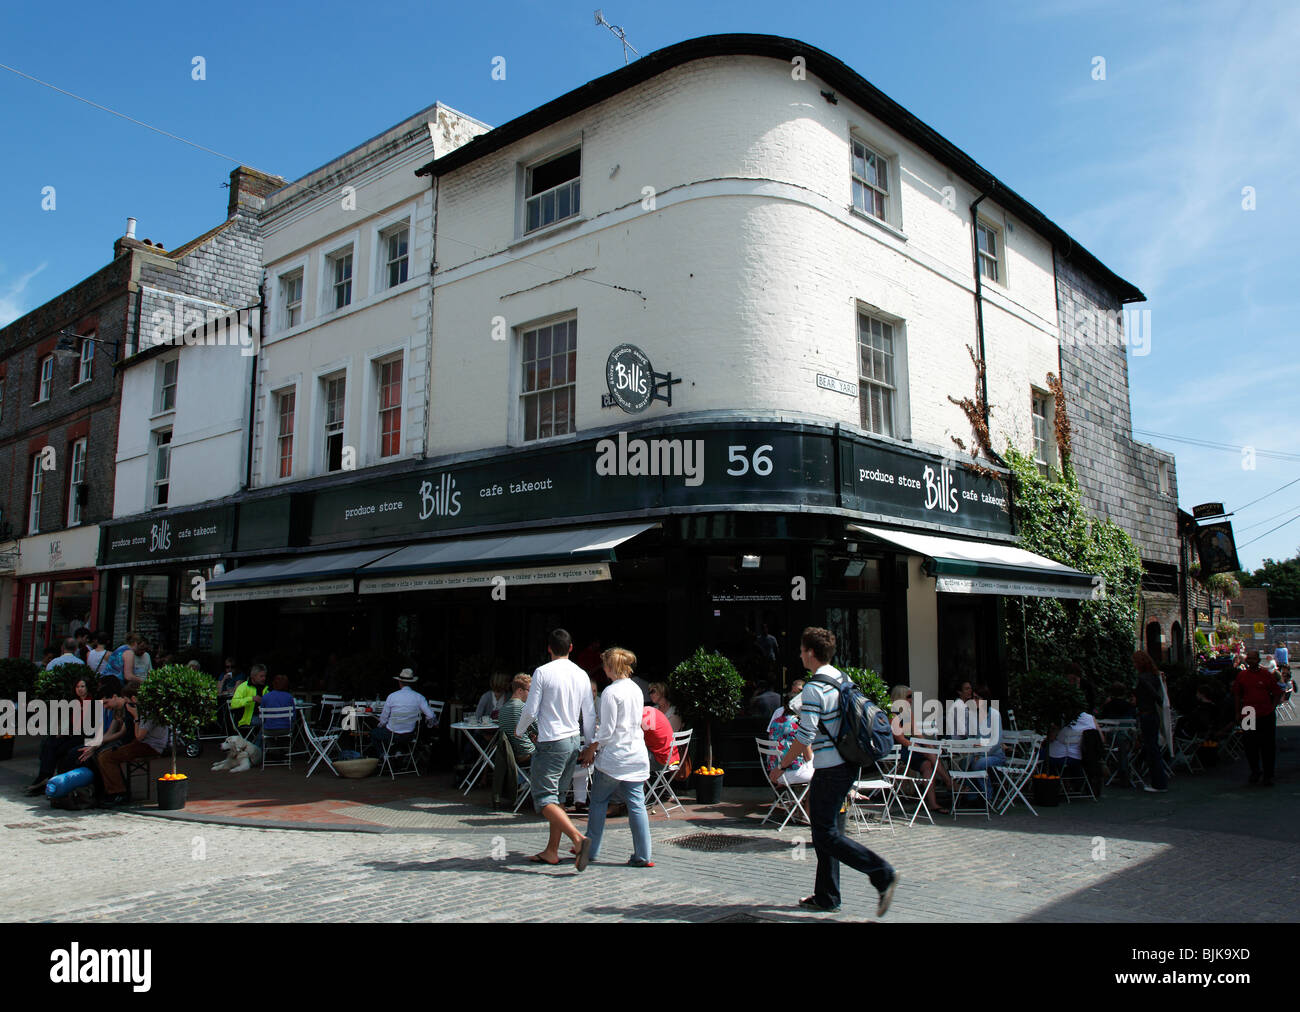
1212 850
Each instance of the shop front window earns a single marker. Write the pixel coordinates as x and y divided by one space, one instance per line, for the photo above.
149 597
36 621
195 629
859 637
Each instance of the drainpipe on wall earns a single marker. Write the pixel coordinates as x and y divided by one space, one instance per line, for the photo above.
252 386
428 344
979 305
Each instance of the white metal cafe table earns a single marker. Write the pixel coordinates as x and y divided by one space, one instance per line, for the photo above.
484 760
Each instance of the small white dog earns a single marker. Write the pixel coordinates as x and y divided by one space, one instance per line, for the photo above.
244 755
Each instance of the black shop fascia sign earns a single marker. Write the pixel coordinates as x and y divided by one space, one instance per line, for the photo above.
659 470
168 536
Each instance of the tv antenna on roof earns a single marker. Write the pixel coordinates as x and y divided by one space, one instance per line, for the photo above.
622 36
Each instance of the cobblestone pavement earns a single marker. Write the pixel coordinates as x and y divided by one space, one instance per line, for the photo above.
1212 849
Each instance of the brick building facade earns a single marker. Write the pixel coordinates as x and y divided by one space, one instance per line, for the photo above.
60 395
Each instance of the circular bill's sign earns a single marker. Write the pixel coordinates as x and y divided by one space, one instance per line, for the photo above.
630 378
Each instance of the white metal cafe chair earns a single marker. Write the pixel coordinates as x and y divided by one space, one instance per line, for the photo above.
330 705
911 787
321 746
661 791
963 779
861 800
789 797
1012 776
277 739
401 747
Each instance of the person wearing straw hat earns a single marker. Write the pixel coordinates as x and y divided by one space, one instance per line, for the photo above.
402 709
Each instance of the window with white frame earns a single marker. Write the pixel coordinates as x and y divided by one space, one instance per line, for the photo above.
870 181
1163 485
86 370
284 405
162 466
394 246
988 240
168 370
335 391
339 273
45 379
34 502
389 379
878 389
1041 409
552 190
76 481
291 298
549 356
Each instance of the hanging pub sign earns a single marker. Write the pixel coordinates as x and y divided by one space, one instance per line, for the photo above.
1217 549
632 381
1207 510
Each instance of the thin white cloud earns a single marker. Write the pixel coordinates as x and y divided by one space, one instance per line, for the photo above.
12 304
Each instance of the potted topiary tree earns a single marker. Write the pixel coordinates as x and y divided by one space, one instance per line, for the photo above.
16 676
184 700
872 686
707 687
1045 702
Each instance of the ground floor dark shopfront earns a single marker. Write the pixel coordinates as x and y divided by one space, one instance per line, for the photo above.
459 569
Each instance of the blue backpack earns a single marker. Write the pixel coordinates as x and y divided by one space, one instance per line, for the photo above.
865 732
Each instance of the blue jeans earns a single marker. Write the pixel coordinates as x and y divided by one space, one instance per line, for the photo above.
987 762
604 787
1149 723
830 787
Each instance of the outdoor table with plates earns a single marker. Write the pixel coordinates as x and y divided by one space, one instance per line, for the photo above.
472 727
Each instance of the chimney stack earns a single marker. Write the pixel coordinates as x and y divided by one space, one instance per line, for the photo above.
248 187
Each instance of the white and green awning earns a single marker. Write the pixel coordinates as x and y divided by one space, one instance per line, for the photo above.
985 567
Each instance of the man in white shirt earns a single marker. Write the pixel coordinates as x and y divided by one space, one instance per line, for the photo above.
69 655
402 710
560 694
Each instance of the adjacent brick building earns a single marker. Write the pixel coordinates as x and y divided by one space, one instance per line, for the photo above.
60 396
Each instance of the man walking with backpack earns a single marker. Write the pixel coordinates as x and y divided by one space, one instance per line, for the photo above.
821 721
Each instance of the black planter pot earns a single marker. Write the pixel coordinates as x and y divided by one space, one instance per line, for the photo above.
708 789
1047 792
7 748
172 794
1209 757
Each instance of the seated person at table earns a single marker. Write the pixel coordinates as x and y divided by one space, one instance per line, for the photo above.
907 725
245 701
658 739
277 699
659 698
1066 747
524 748
995 755
228 678
59 751
781 730
402 710
1119 704
511 710
489 704
150 740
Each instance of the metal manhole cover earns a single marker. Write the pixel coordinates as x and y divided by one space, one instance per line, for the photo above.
713 841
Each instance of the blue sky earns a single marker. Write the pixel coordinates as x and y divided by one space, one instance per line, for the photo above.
1145 168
